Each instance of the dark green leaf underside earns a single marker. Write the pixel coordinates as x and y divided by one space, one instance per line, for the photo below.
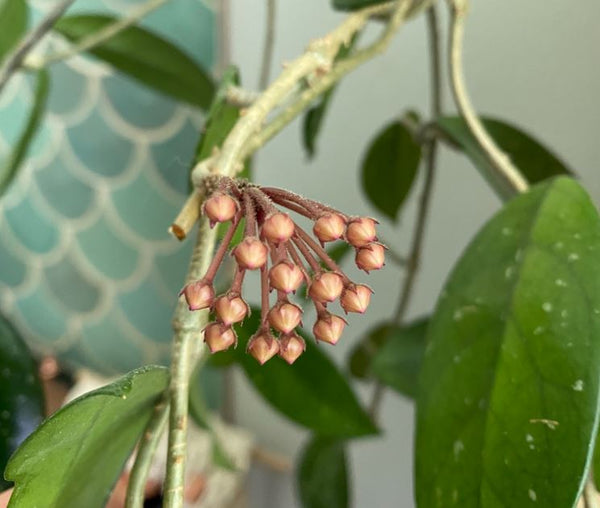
13 23
21 397
508 399
146 57
389 168
323 474
75 457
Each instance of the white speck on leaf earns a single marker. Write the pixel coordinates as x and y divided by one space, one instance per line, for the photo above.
458 447
529 438
578 385
564 313
538 330
509 272
573 256
506 231
532 495
559 245
560 283
547 307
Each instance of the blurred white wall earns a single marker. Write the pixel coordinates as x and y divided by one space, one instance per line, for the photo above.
534 63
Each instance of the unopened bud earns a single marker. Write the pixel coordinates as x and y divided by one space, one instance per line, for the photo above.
371 257
361 232
328 328
326 287
263 346
291 347
219 337
285 276
250 253
220 207
329 227
285 316
198 295
230 309
278 227
356 298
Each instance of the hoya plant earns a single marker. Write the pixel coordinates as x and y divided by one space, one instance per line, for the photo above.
503 371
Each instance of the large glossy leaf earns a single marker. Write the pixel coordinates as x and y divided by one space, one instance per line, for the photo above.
13 23
397 364
508 397
145 57
313 119
75 457
21 397
323 474
10 169
533 159
390 167
311 392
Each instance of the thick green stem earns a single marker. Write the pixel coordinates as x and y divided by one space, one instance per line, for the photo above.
187 347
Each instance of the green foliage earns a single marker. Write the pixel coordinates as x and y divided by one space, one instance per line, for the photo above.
398 362
146 57
311 392
13 23
352 5
508 397
75 456
11 168
362 354
323 474
533 159
389 168
21 396
313 119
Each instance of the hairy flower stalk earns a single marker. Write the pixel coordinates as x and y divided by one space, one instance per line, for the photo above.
287 257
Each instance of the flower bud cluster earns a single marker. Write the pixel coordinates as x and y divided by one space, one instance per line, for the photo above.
287 257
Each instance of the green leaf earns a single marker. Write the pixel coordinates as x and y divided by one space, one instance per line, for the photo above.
323 474
362 354
398 363
533 159
339 251
352 5
19 152
144 56
75 457
21 396
313 119
390 167
508 396
311 392
13 23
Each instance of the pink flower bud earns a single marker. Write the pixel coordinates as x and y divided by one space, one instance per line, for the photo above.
291 347
219 337
220 207
328 328
263 346
231 309
356 298
198 295
361 231
284 317
250 253
371 257
278 227
326 287
285 276
329 227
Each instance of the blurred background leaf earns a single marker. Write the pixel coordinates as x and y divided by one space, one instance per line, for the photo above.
21 395
145 57
19 152
323 474
13 23
535 161
389 168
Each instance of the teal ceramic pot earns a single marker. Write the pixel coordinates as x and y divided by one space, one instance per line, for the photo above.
87 269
